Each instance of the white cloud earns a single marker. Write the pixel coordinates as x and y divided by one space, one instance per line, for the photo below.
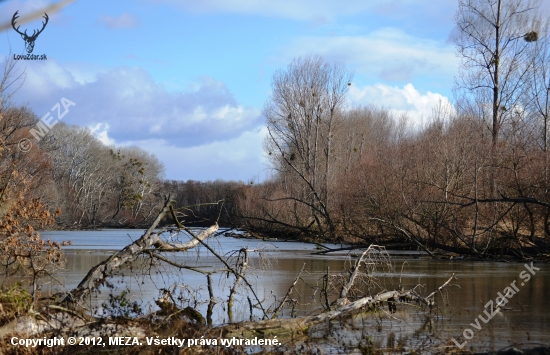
240 158
101 132
41 78
83 72
125 20
386 54
136 107
201 133
407 101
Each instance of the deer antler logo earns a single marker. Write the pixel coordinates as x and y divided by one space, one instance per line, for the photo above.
29 40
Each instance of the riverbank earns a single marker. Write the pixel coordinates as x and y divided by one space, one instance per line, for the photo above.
276 264
292 281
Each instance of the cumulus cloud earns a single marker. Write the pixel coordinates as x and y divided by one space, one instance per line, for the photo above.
201 133
386 54
135 107
407 100
101 132
41 79
125 20
239 158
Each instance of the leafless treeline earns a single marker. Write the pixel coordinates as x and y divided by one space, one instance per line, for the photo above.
203 202
71 171
431 186
474 179
99 185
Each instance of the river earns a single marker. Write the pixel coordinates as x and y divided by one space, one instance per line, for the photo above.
524 321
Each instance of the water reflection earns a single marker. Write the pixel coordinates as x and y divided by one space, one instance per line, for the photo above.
526 321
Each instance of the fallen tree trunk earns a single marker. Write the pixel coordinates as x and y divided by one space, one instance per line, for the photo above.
343 300
97 275
303 323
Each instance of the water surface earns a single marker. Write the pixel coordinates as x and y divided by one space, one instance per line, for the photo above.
525 321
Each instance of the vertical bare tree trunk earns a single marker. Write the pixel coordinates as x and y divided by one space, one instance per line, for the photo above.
496 77
305 101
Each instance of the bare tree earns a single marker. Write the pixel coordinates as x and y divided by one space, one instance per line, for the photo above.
495 44
540 95
540 81
95 185
306 99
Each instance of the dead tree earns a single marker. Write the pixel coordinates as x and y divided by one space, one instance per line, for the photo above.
153 245
150 241
303 323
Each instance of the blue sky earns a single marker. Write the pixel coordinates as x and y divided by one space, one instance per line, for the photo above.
187 80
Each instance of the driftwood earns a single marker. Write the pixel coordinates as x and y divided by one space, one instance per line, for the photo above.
151 243
242 264
70 314
282 303
237 271
303 323
355 272
150 240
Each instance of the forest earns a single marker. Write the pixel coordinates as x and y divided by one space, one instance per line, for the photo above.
472 179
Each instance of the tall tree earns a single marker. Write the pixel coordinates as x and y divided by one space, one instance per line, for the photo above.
301 115
540 80
540 94
495 43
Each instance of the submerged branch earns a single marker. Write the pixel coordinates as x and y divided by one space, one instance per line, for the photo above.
301 324
148 241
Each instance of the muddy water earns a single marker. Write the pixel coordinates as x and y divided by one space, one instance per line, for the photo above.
274 266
